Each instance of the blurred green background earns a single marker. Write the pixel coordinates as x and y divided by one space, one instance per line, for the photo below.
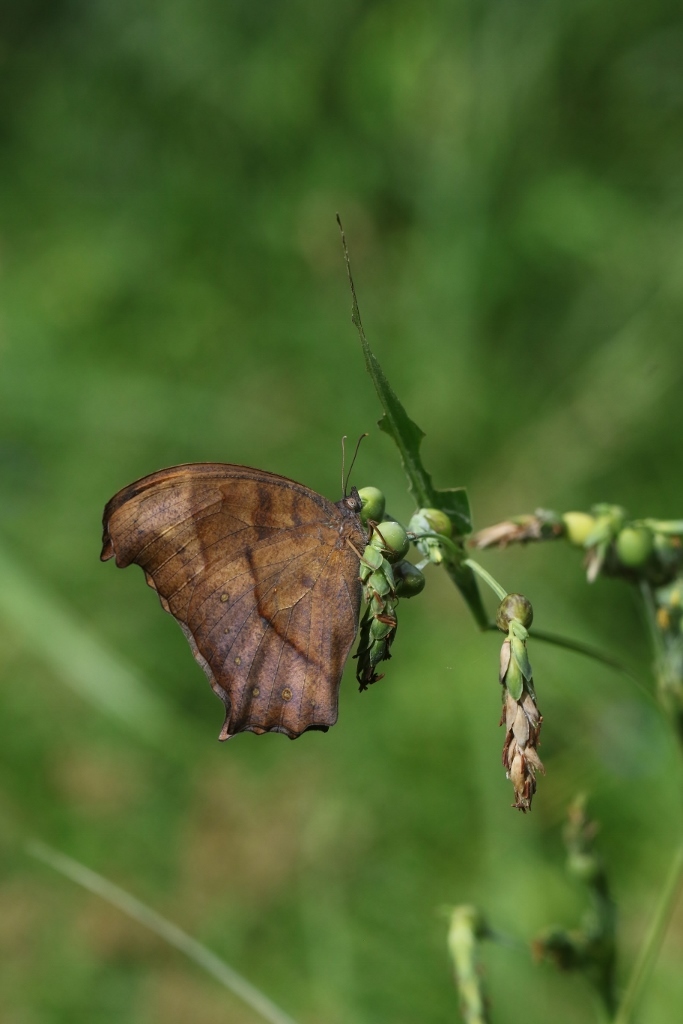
509 175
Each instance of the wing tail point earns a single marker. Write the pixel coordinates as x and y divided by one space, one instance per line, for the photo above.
107 548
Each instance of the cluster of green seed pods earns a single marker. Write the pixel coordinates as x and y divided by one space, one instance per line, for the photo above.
430 521
617 546
648 550
386 576
521 716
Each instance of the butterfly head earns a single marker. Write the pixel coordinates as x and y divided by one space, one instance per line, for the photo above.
352 502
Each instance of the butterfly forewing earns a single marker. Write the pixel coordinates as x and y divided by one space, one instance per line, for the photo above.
262 575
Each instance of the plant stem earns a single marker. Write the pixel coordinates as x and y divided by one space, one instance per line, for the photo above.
467 929
653 629
653 940
495 586
578 647
589 652
552 638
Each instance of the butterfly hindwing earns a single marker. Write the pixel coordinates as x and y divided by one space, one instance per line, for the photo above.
262 575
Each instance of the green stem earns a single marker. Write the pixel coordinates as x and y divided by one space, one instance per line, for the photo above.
653 628
653 940
666 673
465 933
579 647
466 582
495 586
553 638
461 574
589 652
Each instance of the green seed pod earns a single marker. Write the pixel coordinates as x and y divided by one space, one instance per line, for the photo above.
371 562
380 584
634 546
409 580
373 504
430 520
392 539
514 606
438 521
578 526
380 630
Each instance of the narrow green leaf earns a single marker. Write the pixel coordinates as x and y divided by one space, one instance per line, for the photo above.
455 503
407 437
514 679
521 657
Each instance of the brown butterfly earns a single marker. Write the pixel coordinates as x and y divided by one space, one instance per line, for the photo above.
261 573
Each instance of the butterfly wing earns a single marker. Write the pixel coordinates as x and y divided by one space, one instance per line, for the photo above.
261 573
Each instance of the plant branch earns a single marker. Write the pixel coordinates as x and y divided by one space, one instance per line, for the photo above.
653 630
481 572
588 651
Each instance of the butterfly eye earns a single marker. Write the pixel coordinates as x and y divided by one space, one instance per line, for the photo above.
353 501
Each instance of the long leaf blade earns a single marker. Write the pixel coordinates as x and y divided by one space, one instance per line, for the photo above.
407 437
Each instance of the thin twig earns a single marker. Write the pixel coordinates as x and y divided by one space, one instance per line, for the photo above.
486 577
648 605
591 652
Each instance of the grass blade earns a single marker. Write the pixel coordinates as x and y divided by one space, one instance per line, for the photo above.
50 629
166 930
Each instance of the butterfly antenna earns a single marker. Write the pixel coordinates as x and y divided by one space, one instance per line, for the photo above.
343 458
345 482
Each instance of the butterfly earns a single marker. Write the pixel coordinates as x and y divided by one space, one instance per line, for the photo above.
262 575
